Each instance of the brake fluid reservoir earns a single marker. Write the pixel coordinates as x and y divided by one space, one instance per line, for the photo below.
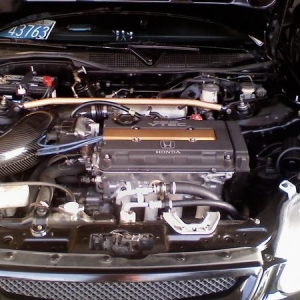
210 93
248 90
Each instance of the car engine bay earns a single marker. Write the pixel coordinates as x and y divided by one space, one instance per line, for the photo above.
132 163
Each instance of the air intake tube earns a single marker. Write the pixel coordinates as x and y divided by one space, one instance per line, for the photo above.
19 142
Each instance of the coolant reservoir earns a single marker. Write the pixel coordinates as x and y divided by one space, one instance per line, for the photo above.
210 93
12 197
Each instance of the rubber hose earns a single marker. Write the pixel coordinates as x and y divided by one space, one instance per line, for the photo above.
191 189
35 175
207 202
45 194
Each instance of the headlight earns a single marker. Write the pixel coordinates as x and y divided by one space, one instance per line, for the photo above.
287 240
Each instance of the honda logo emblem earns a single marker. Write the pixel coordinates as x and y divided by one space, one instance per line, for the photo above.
167 144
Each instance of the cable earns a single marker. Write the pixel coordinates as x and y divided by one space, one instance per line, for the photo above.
41 183
57 149
66 147
270 129
39 142
184 84
59 157
267 148
46 94
99 102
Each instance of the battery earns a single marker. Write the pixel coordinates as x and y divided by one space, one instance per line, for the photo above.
16 86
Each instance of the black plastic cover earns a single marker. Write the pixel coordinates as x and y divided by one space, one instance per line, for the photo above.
227 153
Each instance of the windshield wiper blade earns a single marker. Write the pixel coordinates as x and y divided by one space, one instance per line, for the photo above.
134 49
153 46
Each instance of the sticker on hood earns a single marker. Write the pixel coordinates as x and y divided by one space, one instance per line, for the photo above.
39 30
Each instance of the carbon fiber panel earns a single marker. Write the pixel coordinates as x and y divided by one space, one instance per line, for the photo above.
19 143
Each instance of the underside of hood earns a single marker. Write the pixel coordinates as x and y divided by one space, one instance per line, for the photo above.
262 20
13 5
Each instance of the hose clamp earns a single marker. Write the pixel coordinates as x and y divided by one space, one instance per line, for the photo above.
161 190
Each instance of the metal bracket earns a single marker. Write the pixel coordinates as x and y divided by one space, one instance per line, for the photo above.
207 226
39 226
288 188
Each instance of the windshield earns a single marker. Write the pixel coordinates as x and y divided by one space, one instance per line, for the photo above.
154 21
123 26
119 38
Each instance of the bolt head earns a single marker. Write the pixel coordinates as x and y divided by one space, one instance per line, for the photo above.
39 227
180 257
9 256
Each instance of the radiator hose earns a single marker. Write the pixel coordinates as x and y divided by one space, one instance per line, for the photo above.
191 189
51 173
209 198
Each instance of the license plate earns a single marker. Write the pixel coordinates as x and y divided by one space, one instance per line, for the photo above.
39 30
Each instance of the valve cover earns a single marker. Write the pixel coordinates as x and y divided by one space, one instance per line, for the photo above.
173 146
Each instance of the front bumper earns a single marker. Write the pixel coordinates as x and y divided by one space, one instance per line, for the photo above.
228 274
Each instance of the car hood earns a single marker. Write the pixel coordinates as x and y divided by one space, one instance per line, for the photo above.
14 5
269 15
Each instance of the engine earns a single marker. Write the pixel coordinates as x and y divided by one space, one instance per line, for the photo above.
140 155
136 156
104 152
165 151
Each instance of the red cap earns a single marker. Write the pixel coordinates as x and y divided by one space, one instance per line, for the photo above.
196 117
47 81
